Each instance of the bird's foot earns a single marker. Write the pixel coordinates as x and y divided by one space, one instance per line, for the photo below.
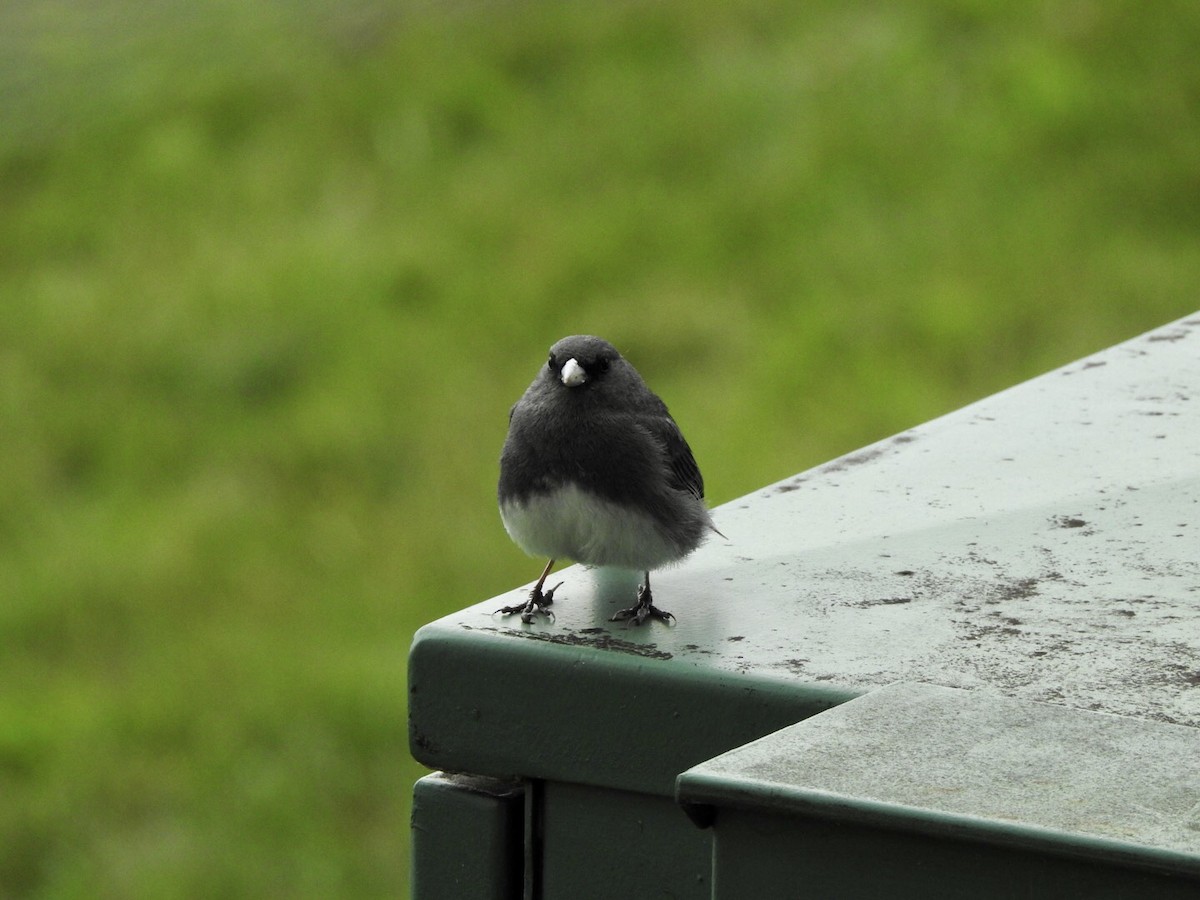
536 603
644 609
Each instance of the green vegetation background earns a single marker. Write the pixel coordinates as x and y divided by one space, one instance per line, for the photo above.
271 275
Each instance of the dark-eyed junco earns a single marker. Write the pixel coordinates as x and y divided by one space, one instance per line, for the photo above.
594 469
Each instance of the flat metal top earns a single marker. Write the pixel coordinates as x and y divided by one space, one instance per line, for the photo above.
962 764
1042 544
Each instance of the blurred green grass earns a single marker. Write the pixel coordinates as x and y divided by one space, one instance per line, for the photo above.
271 276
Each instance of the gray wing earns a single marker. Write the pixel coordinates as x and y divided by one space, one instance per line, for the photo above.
685 474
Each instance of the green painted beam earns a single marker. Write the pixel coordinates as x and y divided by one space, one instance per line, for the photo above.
468 838
993 788
1043 543
1039 545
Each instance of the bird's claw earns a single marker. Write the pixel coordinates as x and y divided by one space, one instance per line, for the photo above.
642 610
537 603
639 614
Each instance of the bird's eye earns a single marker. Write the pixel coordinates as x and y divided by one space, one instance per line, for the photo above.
553 365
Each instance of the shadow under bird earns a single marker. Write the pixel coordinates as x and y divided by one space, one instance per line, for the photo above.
595 470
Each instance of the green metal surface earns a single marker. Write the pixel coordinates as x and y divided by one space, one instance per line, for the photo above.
468 838
972 768
496 701
769 856
603 843
1039 545
1042 543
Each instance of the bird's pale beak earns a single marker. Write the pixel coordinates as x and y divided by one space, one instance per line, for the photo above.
573 374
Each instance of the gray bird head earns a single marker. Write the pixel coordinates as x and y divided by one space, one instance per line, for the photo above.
586 374
583 361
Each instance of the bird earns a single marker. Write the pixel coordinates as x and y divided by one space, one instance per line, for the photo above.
595 470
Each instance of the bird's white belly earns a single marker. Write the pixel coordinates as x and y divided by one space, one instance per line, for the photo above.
571 524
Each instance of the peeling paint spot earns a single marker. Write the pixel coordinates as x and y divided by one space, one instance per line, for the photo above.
1170 336
1068 522
587 638
853 459
880 601
1019 589
423 743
